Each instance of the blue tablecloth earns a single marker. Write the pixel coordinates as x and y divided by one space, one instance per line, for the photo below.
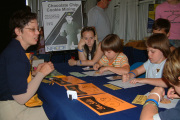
58 107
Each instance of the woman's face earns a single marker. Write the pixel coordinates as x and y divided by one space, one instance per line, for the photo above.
29 34
89 38
155 55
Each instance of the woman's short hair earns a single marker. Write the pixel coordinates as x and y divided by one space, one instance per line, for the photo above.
19 20
171 70
112 42
159 41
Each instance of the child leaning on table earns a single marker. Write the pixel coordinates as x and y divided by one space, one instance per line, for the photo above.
172 75
113 59
158 50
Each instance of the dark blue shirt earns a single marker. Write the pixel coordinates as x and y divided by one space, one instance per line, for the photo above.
171 114
14 71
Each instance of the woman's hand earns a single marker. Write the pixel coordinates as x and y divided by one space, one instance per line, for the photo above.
72 62
37 69
172 93
47 68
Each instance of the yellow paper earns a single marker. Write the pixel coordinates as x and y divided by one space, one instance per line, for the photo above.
113 87
140 99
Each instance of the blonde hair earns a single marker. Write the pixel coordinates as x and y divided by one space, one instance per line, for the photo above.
171 70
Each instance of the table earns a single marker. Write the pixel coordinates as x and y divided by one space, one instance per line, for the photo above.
58 107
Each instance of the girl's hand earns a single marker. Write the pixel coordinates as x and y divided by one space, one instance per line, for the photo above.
125 77
172 93
72 62
47 68
160 91
96 66
136 80
81 43
103 69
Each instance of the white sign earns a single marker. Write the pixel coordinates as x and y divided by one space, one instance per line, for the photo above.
62 24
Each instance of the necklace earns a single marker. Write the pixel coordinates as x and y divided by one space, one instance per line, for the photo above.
156 70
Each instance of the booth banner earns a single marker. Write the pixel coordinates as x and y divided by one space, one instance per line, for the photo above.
62 24
151 17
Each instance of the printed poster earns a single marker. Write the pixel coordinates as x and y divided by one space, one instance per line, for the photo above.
104 104
62 24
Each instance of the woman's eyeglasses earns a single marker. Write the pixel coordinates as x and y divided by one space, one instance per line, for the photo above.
33 29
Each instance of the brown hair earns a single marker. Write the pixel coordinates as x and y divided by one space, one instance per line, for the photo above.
88 29
112 42
159 41
20 19
160 24
171 70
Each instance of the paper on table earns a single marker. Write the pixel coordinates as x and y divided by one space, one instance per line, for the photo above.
87 68
125 84
105 103
117 77
167 106
95 73
77 74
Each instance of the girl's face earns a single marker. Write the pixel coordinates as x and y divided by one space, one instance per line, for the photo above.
155 55
29 34
110 54
89 38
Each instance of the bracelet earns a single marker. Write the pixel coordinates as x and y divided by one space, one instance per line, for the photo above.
80 50
152 101
157 95
79 63
133 73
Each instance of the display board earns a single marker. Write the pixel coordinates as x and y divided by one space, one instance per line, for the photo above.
62 25
151 16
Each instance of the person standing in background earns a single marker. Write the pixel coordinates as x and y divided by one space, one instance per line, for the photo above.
98 19
41 46
171 10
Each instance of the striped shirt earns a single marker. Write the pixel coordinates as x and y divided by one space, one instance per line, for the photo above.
120 61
